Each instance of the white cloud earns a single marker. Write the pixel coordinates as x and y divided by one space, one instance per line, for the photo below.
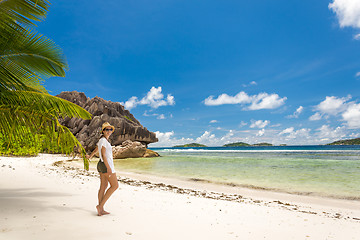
166 139
165 135
352 116
266 101
327 134
259 101
261 132
161 116
357 36
154 98
349 111
158 116
296 114
358 73
131 103
251 83
354 135
287 131
207 138
227 137
242 123
240 98
213 121
259 123
290 136
315 117
347 12
332 105
300 134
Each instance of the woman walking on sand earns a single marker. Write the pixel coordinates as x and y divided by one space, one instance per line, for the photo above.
105 167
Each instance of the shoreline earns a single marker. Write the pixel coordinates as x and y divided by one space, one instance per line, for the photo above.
50 197
327 206
228 185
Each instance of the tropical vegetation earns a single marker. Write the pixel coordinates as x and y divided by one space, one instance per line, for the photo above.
29 115
355 141
242 144
190 145
237 144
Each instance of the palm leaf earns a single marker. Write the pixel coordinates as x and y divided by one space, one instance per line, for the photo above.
26 59
29 57
38 113
43 102
23 11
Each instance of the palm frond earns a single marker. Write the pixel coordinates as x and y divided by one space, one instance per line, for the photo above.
24 11
43 102
30 57
26 59
36 51
15 77
24 113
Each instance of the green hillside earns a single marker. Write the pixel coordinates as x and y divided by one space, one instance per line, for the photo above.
242 144
262 144
190 145
237 144
355 141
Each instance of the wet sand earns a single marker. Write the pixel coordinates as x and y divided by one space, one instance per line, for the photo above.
42 198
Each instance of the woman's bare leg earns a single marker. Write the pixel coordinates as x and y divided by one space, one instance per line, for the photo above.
101 193
112 179
103 186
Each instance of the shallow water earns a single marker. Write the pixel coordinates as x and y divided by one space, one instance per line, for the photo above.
331 171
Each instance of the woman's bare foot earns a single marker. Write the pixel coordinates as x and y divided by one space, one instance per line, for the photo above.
104 212
100 212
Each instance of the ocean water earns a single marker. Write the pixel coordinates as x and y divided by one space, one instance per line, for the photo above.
329 171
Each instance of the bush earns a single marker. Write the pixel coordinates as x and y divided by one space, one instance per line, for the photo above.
30 145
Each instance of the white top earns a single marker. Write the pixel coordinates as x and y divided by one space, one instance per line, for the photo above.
103 142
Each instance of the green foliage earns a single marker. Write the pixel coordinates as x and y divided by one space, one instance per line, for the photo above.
242 144
28 114
355 141
237 144
31 145
191 145
262 145
128 118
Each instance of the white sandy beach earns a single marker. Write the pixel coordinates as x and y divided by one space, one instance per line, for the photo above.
41 201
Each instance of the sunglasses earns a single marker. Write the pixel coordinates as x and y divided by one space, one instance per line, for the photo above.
108 129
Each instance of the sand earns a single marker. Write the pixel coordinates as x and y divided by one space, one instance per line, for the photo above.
40 200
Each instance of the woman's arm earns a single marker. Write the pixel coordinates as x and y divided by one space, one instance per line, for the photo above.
103 150
93 153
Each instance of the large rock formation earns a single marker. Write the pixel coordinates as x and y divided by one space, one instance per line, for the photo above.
128 149
89 131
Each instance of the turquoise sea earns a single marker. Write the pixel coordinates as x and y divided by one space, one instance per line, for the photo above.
329 171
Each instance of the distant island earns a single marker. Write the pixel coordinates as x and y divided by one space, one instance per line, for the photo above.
262 144
190 145
237 144
242 144
355 141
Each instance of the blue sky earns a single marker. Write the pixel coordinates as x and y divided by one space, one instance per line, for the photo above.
216 72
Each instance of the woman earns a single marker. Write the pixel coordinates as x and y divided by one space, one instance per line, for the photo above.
105 167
